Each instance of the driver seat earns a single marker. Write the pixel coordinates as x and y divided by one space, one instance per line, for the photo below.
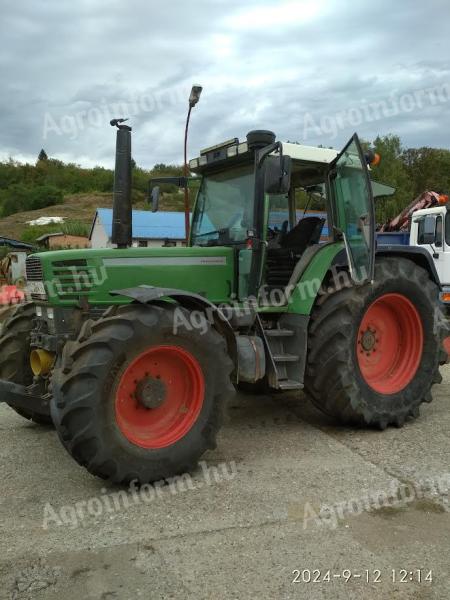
281 261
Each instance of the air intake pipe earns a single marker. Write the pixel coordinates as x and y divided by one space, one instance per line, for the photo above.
122 210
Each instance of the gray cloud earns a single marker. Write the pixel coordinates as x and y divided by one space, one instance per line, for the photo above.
279 65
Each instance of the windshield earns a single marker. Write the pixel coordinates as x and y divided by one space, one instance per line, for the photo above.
224 209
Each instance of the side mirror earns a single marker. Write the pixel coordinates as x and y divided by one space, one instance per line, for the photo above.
154 191
428 238
154 198
277 174
429 230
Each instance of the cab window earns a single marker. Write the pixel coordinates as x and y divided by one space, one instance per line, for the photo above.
439 232
278 218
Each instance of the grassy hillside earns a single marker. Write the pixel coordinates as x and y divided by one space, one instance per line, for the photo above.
78 208
53 188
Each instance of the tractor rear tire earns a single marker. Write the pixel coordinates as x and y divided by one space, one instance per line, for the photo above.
375 350
134 401
15 355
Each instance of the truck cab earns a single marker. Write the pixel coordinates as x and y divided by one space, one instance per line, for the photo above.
430 229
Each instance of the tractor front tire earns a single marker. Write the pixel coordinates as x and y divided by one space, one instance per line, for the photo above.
135 400
15 355
375 350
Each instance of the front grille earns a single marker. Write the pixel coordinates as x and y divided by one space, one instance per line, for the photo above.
35 279
72 278
34 269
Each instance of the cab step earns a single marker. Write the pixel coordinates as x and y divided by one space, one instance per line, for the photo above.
278 358
285 362
279 333
289 384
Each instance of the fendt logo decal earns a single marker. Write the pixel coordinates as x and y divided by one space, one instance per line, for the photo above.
172 261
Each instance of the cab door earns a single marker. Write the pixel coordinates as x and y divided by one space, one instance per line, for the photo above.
352 209
429 231
445 279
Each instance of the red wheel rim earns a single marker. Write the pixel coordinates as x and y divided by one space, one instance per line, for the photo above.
390 344
170 380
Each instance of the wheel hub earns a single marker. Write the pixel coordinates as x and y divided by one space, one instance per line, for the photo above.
150 392
368 340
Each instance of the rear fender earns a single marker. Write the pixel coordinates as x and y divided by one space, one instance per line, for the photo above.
309 275
419 256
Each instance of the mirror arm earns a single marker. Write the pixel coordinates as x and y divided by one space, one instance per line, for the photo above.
264 152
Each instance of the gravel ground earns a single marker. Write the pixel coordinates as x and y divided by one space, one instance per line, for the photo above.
242 530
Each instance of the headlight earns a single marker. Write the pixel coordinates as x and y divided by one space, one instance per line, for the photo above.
39 311
50 313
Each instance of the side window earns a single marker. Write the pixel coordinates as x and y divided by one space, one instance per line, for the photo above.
278 218
447 229
421 231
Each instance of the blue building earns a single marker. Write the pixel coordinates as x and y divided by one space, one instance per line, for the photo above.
162 228
149 228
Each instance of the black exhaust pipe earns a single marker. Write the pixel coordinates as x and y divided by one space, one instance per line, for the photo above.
122 210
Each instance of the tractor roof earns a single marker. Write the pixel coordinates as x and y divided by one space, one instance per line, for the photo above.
309 153
232 152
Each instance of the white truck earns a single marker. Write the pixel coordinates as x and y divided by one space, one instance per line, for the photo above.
425 223
430 229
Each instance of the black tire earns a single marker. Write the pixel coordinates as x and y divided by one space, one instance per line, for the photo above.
15 355
334 379
84 394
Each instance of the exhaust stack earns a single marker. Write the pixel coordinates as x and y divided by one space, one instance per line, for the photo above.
122 210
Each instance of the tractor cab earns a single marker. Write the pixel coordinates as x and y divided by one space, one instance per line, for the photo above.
250 197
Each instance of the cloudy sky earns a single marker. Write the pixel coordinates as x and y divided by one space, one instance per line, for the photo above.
311 70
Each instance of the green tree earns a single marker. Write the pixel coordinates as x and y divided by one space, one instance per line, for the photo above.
428 169
45 195
42 155
392 170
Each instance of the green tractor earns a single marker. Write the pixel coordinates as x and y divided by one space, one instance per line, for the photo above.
132 353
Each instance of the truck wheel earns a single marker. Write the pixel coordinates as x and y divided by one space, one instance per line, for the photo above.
133 400
374 351
15 354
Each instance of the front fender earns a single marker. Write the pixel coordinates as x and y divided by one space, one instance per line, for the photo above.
147 294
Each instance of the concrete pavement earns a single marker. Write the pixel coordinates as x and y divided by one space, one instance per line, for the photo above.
293 492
